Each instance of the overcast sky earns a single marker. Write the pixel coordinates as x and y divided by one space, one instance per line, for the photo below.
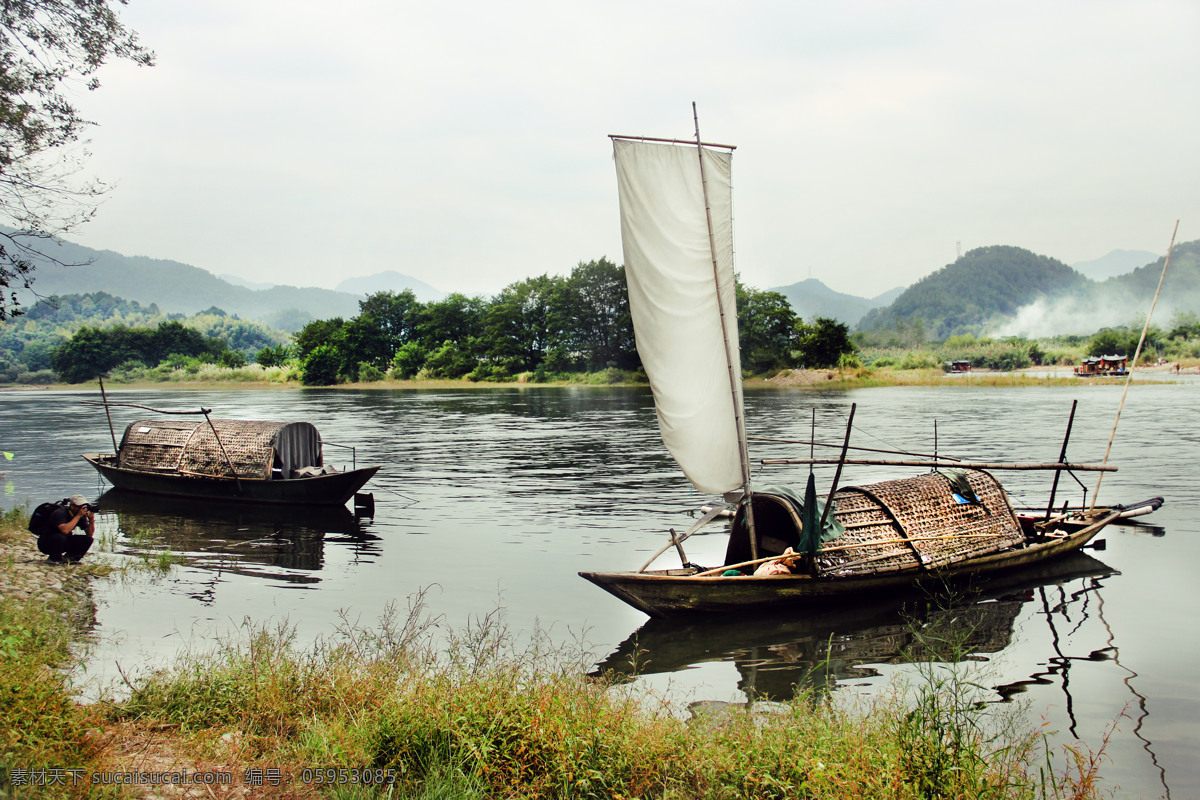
465 144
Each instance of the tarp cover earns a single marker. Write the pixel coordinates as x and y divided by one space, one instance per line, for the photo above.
673 298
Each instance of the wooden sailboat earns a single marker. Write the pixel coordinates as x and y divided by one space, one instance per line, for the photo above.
956 522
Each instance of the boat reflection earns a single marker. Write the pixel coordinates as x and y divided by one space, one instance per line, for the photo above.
779 657
277 543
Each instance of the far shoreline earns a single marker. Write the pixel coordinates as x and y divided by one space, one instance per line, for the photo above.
803 380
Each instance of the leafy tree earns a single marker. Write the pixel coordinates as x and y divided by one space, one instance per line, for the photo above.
273 356
232 359
1184 325
454 319
451 360
315 334
766 329
518 323
321 366
397 315
1113 342
408 360
47 46
362 340
591 312
824 343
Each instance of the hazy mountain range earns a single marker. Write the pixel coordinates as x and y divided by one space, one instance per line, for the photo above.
811 299
990 291
181 288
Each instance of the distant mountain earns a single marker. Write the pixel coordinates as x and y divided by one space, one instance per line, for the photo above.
236 281
181 288
811 298
391 281
1180 288
1118 262
982 290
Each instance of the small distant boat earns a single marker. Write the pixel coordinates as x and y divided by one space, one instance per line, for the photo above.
956 366
1103 367
245 461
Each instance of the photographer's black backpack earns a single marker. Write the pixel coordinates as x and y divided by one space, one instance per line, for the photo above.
39 522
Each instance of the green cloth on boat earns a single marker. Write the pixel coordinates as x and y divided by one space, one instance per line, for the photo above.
960 484
832 530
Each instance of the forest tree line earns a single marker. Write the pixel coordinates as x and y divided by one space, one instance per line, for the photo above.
546 327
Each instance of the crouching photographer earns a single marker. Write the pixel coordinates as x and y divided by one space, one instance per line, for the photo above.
68 531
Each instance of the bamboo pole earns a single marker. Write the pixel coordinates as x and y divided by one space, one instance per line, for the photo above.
837 474
232 469
671 141
1137 352
204 411
111 431
1062 459
852 447
734 380
952 464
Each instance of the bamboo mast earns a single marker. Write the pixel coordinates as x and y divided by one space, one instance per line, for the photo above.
1062 458
738 420
838 473
1138 352
111 431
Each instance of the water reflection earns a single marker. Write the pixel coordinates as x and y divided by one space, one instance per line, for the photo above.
780 657
277 543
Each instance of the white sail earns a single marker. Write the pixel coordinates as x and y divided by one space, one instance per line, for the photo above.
673 296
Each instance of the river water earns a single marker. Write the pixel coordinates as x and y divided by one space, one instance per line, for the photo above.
495 498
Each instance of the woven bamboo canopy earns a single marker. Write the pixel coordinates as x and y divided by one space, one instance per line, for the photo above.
253 448
898 524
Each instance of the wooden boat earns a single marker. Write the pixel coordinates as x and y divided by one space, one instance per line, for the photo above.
812 650
911 539
1103 367
245 461
676 229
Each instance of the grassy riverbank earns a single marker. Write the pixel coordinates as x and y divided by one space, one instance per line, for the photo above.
825 379
476 713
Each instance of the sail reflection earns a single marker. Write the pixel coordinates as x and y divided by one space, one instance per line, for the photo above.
780 657
279 543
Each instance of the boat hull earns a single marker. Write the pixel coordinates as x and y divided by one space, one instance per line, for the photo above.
674 593
320 490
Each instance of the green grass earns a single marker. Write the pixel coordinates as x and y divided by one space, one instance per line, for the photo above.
481 717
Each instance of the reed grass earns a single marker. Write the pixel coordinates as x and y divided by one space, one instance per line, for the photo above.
481 715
